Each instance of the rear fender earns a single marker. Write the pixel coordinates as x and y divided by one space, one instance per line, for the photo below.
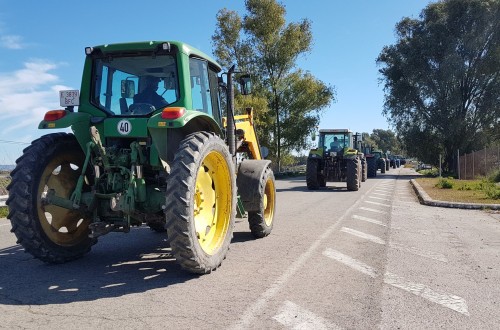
79 122
167 133
250 173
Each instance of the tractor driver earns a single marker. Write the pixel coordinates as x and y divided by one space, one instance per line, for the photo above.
335 145
149 95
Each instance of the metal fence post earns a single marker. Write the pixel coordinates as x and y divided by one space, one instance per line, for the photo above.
473 163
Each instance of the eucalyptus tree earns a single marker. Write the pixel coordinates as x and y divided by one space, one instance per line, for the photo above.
263 44
442 78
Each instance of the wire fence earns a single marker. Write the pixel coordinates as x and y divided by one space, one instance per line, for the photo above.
479 163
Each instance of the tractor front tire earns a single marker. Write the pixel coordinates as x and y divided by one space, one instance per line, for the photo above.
201 202
353 173
50 233
312 174
261 221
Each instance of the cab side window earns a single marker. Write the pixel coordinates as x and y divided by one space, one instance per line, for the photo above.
200 85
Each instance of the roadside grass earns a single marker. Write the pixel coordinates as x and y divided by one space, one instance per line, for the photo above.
4 211
465 191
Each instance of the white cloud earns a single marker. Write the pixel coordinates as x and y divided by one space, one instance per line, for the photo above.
29 88
11 42
25 96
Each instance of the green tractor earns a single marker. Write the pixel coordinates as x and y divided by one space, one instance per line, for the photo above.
336 160
376 161
150 146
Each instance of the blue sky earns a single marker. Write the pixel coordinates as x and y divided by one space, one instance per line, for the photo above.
42 51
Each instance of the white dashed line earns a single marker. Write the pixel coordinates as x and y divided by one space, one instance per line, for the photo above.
379 198
360 234
379 194
348 261
247 317
293 316
421 253
372 210
359 217
376 203
452 302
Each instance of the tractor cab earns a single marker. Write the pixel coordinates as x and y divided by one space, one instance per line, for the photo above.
334 141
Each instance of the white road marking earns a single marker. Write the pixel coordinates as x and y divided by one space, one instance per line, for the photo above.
259 305
452 302
293 316
379 194
359 217
360 234
351 262
419 252
372 210
379 198
376 203
384 190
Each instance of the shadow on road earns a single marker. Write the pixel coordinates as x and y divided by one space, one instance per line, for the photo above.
117 265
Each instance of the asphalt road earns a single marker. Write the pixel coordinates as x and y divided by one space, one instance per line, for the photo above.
369 259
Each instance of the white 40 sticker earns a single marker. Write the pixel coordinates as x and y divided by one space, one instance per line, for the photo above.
124 127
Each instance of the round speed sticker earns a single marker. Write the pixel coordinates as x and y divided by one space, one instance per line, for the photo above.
124 127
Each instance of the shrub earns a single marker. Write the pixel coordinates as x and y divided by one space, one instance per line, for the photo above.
491 190
494 176
445 183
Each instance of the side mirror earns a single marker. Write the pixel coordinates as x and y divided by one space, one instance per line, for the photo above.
169 83
245 84
264 151
128 88
313 136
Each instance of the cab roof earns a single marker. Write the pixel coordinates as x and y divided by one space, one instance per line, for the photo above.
154 45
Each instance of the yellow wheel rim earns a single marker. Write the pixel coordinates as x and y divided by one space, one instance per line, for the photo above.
269 201
62 226
212 202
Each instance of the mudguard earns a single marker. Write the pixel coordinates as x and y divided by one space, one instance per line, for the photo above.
250 173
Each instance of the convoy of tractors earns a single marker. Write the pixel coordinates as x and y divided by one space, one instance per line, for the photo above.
151 145
342 156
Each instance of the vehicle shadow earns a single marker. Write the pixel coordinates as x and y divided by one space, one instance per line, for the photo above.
117 265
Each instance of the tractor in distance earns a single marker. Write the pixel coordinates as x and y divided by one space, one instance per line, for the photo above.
163 160
335 160
375 160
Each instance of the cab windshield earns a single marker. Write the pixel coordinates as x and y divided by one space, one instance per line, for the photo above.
335 141
134 85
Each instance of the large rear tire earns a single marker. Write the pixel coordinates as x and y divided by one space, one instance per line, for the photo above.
353 174
50 233
201 203
364 169
312 174
261 222
372 167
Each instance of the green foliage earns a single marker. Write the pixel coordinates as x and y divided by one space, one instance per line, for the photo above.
494 176
4 211
442 80
492 190
386 140
489 188
429 173
262 44
445 183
